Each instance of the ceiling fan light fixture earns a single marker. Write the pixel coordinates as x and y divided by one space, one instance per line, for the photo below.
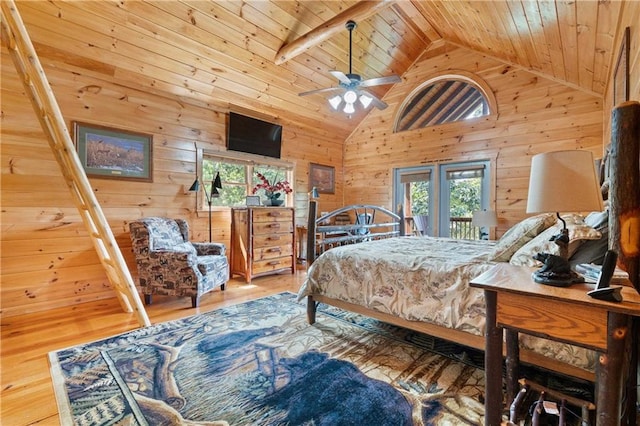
365 100
350 97
335 101
349 109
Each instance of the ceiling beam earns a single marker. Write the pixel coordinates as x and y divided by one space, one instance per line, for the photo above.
358 12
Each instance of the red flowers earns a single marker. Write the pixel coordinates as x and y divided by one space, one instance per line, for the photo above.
272 190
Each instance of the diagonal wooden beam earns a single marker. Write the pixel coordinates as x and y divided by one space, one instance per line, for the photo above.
358 12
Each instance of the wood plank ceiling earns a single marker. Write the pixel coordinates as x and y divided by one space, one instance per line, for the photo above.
222 54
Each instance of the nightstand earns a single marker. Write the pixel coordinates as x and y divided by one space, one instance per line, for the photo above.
516 303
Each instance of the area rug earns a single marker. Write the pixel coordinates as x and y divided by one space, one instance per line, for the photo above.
260 363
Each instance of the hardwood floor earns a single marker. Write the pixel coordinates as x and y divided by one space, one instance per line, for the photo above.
27 392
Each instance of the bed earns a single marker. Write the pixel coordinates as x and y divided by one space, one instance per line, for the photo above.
370 266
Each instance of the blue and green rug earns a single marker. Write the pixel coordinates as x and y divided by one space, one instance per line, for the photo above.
260 363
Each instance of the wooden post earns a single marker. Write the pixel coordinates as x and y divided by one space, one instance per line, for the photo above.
624 232
311 232
608 371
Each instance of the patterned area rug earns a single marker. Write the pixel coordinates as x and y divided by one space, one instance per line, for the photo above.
261 363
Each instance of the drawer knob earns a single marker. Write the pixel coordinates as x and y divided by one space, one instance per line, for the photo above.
275 262
274 225
278 249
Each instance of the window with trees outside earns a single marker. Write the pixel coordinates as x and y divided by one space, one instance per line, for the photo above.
239 177
439 200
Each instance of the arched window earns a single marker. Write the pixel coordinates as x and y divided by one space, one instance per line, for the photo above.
445 99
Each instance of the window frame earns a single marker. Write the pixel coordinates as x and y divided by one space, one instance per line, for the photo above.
249 161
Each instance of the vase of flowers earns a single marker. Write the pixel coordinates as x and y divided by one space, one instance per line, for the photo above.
272 191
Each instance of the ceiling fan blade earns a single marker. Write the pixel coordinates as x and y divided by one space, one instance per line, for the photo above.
325 90
380 81
376 101
340 76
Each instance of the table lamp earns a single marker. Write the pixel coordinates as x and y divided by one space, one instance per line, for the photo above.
562 181
484 219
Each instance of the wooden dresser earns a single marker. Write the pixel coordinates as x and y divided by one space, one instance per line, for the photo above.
262 241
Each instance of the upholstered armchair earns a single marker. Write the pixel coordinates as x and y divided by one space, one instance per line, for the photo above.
168 264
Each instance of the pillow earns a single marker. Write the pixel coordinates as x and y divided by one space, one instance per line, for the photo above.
578 233
519 235
593 251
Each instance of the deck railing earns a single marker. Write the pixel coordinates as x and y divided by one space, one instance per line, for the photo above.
459 227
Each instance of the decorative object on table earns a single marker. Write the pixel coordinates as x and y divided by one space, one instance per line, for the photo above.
216 184
562 181
106 152
272 191
322 178
252 201
484 219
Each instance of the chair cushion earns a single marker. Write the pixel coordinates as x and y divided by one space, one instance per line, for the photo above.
212 264
164 234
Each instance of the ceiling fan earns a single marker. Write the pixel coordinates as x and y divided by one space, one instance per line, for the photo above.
351 86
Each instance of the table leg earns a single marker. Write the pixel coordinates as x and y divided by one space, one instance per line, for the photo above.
492 364
512 364
609 371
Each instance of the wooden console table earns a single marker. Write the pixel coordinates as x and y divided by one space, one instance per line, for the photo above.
516 303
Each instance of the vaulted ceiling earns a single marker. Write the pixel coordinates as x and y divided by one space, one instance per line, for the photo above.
258 55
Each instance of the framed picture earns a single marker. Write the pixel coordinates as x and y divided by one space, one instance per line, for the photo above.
111 153
621 73
253 200
323 178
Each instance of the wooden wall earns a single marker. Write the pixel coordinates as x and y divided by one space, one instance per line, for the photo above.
534 115
47 259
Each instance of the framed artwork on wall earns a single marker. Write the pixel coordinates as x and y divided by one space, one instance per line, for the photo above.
106 152
621 73
322 177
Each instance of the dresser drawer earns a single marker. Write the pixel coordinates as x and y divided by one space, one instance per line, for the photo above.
272 252
272 214
272 227
262 266
271 240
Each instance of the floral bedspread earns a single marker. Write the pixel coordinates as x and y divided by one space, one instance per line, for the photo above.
420 279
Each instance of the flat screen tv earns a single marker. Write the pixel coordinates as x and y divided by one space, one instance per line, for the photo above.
253 136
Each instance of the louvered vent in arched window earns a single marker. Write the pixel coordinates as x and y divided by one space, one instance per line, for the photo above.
442 101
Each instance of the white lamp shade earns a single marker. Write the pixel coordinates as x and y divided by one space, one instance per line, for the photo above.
349 109
365 100
486 218
563 181
335 101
